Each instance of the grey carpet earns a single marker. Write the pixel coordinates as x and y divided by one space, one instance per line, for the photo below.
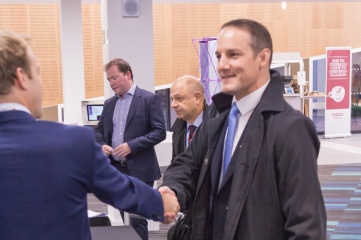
341 188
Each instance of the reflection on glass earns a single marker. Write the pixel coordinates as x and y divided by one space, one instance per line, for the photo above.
356 93
319 84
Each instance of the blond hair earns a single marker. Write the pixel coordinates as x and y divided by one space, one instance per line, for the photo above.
13 54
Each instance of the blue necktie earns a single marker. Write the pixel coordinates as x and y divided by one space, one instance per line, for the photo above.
232 124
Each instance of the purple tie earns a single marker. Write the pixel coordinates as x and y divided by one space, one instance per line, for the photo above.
192 130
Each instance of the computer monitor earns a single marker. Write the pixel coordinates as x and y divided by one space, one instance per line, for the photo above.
91 111
94 111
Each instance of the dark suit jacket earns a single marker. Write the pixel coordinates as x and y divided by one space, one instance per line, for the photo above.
271 188
144 129
179 130
46 171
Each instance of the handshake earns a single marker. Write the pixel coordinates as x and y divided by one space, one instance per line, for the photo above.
170 203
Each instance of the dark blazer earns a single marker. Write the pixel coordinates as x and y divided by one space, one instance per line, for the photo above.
145 128
179 130
271 188
46 171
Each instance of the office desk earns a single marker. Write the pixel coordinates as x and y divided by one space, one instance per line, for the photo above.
114 233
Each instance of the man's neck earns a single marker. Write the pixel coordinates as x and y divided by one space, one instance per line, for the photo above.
195 118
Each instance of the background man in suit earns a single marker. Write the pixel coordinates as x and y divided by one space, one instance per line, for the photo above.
48 168
130 125
188 102
187 95
268 187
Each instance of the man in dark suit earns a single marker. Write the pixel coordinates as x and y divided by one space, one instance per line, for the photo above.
187 96
47 168
188 102
260 183
130 125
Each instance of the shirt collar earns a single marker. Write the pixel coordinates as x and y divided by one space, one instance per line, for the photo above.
130 91
198 121
249 102
11 106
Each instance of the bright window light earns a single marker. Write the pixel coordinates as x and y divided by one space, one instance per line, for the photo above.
284 5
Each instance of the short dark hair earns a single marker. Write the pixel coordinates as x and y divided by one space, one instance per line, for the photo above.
123 66
261 38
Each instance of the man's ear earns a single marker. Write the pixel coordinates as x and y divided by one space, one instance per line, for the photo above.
129 75
20 78
198 95
264 55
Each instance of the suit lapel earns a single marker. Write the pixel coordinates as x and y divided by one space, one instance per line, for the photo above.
179 130
242 166
108 115
215 128
133 106
182 142
217 160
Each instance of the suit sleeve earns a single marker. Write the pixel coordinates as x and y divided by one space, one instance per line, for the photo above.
183 173
99 129
121 191
157 131
296 150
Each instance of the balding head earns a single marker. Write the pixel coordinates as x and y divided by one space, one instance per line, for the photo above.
187 94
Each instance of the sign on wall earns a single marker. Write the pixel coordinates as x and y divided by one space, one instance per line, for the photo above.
338 94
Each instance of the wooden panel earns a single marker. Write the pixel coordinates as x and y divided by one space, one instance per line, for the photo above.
93 53
327 16
351 27
41 21
298 24
44 28
305 27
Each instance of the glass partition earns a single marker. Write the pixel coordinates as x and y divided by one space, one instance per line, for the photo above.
317 82
356 91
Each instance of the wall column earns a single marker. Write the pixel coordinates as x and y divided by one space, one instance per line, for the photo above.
129 38
72 55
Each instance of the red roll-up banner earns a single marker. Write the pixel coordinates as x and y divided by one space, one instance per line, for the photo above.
338 92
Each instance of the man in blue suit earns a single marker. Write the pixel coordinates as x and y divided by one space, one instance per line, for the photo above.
47 169
130 125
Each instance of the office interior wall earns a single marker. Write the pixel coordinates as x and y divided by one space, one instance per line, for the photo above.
51 113
42 22
303 27
131 38
93 54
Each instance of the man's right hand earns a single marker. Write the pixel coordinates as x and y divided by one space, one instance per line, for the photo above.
107 150
170 203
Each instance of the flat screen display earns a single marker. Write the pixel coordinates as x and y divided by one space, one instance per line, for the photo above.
94 111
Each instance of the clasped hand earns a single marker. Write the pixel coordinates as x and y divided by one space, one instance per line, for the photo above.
170 203
121 151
